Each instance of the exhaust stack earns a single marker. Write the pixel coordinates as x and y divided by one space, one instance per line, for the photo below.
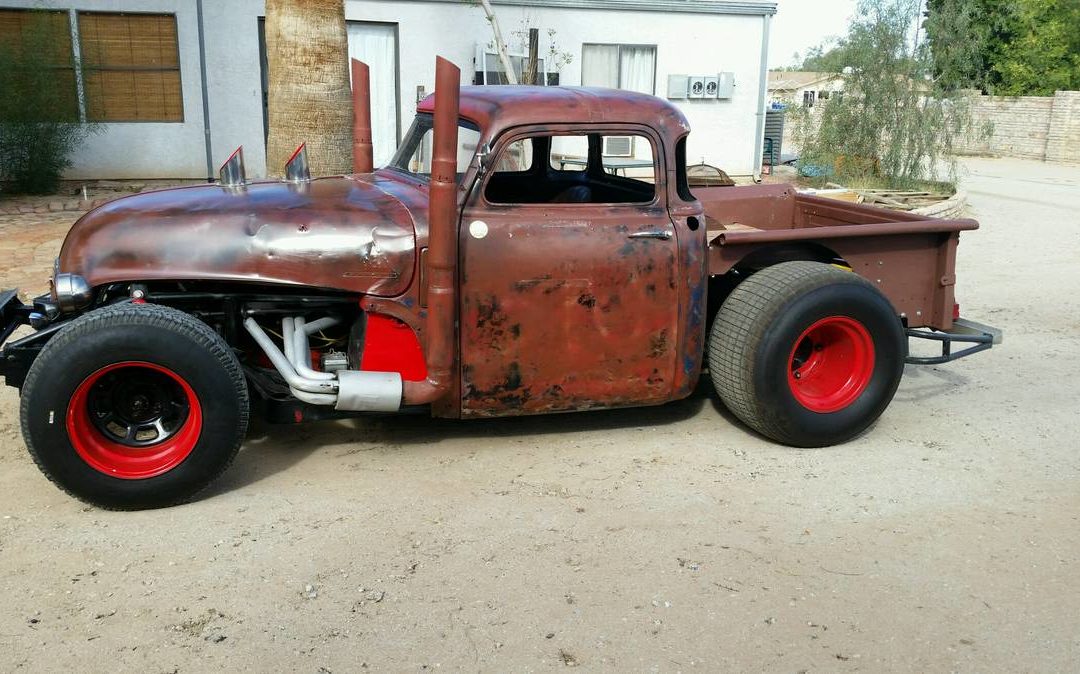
441 256
363 151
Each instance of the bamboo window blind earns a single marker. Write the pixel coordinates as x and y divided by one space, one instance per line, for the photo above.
131 67
30 37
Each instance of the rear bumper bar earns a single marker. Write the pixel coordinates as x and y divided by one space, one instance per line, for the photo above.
976 336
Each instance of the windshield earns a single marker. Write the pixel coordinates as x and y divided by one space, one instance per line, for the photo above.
414 153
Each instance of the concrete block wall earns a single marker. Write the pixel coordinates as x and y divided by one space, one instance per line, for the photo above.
1031 127
1063 141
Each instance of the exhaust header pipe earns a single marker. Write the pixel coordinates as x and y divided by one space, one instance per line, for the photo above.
442 240
363 151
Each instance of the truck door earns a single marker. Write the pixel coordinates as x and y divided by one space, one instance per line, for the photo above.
569 297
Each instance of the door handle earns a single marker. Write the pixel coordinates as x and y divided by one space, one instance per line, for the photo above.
661 234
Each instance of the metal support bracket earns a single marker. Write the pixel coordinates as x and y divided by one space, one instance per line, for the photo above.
980 337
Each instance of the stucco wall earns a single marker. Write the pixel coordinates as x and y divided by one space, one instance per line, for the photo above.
1035 127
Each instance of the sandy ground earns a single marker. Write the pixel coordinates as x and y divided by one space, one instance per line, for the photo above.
666 539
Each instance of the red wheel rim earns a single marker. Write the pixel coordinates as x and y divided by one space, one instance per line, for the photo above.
831 364
134 420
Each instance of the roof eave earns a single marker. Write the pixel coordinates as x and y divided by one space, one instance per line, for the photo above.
764 8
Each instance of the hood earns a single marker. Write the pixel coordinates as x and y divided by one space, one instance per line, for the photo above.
337 233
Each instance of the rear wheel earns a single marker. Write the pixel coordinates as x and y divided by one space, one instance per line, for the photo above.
134 406
806 354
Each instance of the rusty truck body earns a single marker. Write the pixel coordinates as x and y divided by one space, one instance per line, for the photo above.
502 264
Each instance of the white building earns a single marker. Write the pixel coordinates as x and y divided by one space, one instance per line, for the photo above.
801 87
178 84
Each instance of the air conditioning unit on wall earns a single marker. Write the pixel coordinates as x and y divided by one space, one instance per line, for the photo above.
618 146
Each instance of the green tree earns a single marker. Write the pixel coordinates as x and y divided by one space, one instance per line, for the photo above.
893 123
39 118
1044 54
825 59
1006 47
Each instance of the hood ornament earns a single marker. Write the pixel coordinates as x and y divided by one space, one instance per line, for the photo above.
296 169
231 173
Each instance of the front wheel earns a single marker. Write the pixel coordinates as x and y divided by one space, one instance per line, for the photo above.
134 406
806 354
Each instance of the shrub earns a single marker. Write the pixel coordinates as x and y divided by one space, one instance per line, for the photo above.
39 117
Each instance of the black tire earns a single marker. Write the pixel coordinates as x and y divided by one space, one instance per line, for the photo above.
144 360
764 334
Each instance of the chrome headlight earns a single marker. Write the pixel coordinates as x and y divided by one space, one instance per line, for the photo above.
71 292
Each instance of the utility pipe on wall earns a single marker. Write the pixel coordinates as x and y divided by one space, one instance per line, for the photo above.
763 94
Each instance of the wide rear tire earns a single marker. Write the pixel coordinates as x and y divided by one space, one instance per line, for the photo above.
134 406
806 354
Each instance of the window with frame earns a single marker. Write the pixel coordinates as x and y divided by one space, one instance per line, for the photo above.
572 168
619 66
131 67
37 46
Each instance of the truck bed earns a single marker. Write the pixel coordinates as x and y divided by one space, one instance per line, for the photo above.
910 258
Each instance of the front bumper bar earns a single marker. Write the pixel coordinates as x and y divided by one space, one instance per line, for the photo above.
979 337
17 356
13 313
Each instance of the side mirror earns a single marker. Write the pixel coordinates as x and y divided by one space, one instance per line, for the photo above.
484 158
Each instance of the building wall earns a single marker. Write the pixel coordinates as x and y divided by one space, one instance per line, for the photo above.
146 149
687 43
1034 127
1063 137
722 130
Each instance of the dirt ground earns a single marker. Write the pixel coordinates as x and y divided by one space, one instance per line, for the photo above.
665 539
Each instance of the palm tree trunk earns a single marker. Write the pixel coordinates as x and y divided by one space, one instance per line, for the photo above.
307 55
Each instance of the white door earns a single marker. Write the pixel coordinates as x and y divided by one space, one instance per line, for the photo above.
376 45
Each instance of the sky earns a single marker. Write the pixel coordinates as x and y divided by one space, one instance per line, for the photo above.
801 24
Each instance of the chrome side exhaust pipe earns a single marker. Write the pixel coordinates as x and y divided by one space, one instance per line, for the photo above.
347 390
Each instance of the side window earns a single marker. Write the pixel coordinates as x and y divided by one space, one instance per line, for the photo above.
584 168
517 157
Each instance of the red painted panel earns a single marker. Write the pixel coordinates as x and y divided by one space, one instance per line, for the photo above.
392 346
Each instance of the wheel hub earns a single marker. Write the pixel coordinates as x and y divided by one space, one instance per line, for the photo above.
831 364
134 420
137 406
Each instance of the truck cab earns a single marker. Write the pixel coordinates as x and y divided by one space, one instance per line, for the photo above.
582 275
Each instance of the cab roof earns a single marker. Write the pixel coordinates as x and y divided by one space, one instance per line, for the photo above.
497 107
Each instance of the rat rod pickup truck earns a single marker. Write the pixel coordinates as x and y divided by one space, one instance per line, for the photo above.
501 264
